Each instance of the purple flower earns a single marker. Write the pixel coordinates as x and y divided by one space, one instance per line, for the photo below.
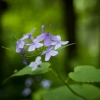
58 42
47 37
49 52
20 47
29 35
35 64
20 43
35 45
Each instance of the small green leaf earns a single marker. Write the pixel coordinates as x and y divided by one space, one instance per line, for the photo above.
85 73
28 71
63 93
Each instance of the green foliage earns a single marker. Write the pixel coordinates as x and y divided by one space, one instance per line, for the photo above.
28 71
63 93
85 73
38 94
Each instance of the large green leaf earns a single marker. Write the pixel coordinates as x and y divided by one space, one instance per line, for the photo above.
85 74
28 71
63 93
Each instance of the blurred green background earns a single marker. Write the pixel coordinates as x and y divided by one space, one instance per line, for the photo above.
77 21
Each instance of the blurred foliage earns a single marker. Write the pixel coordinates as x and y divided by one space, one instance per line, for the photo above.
22 16
63 93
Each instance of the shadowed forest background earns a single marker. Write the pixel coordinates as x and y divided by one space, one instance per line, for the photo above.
77 21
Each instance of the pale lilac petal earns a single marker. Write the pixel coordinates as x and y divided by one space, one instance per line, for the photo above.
63 43
31 48
53 37
25 37
58 37
38 59
33 65
35 41
53 42
20 44
47 41
18 50
53 53
37 45
34 68
58 45
41 37
47 56
28 35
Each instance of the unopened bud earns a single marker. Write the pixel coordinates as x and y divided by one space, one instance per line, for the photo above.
43 28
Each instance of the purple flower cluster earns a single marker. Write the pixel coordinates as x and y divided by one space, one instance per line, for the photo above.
47 40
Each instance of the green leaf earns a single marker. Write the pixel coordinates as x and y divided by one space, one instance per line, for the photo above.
28 71
85 73
63 93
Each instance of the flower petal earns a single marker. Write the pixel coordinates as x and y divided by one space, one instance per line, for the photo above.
38 45
53 37
53 53
18 50
47 56
25 36
53 42
33 65
58 37
37 59
47 41
35 41
41 37
31 48
58 45
64 42
20 44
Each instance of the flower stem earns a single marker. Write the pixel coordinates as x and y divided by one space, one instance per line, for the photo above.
57 74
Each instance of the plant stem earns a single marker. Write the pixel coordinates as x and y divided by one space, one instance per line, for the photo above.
57 74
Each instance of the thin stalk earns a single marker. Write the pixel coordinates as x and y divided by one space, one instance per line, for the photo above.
57 74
